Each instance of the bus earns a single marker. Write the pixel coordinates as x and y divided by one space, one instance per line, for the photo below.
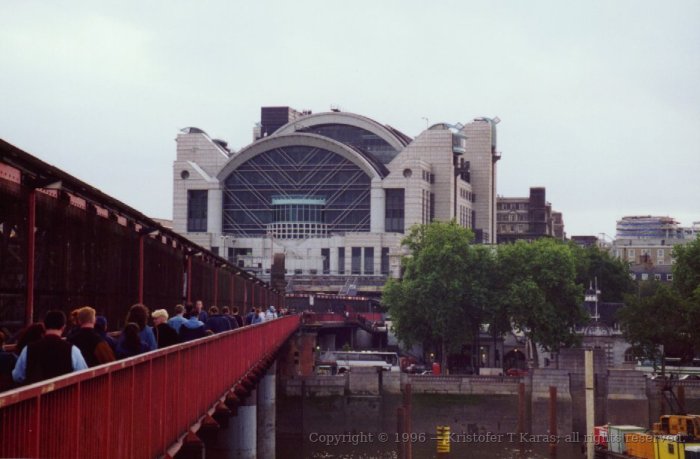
343 361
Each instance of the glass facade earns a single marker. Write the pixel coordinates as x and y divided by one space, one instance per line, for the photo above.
369 260
356 267
385 261
314 190
357 137
394 210
326 256
197 211
341 260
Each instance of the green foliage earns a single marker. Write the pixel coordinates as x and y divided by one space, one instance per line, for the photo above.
442 295
538 290
686 270
669 316
612 273
450 287
658 316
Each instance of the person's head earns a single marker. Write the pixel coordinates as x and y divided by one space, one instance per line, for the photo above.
132 340
29 335
138 314
179 309
86 317
225 310
190 311
101 324
257 310
213 311
160 316
55 321
234 310
199 305
2 340
74 317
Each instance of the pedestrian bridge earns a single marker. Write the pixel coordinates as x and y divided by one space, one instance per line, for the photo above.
143 407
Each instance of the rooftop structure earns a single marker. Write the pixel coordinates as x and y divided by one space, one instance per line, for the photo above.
647 226
528 218
333 191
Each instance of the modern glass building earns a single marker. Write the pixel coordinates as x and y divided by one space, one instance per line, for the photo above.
333 191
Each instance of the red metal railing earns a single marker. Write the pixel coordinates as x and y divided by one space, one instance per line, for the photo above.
134 408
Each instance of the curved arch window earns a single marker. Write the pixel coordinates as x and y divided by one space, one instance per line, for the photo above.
357 137
277 190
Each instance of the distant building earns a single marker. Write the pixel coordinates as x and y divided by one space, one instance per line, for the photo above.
528 218
334 192
586 241
646 243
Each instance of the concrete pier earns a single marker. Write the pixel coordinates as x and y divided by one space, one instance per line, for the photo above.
245 428
266 415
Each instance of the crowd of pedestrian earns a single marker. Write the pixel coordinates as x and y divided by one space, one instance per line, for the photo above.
61 344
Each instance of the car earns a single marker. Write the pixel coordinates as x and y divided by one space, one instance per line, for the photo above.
519 372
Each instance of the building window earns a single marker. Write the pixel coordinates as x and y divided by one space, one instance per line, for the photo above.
369 260
385 261
645 276
394 211
630 254
669 277
356 263
432 206
196 211
326 257
660 253
657 277
341 260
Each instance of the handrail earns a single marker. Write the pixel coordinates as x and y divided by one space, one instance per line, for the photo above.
137 407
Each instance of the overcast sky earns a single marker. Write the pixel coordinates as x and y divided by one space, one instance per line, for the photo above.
599 100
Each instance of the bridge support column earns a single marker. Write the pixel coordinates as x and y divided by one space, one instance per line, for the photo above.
266 414
245 428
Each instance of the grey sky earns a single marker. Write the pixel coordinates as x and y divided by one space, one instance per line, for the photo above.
599 100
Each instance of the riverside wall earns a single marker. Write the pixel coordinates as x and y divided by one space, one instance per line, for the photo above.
621 396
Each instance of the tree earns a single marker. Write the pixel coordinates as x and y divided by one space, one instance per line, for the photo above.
612 273
539 293
444 290
658 316
686 270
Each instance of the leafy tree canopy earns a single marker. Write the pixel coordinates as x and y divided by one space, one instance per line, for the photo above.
445 288
658 316
539 290
612 273
686 270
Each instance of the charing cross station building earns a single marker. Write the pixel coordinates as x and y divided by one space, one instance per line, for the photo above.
334 192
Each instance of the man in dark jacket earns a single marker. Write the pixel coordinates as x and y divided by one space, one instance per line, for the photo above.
95 350
165 334
236 315
49 357
216 322
226 312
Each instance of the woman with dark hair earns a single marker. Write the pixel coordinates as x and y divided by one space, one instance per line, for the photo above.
130 342
138 314
29 335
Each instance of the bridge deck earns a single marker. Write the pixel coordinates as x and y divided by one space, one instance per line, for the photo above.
134 408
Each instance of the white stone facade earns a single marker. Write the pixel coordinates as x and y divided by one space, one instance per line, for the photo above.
423 167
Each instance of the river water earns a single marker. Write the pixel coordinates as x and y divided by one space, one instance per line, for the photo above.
365 427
